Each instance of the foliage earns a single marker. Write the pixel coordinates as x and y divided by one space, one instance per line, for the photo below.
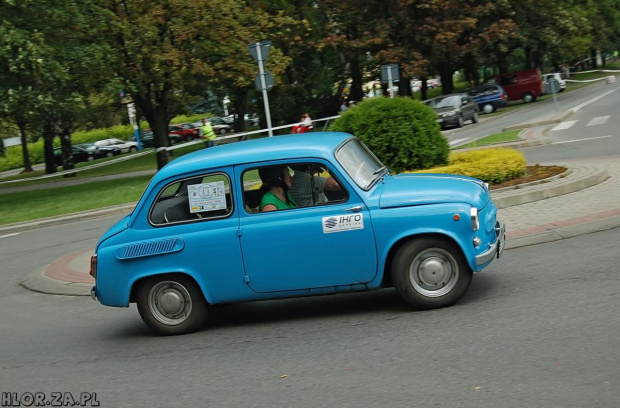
403 133
490 165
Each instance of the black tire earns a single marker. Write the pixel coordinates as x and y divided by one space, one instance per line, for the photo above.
222 131
474 118
190 138
109 154
171 304
133 149
488 108
430 273
460 122
528 97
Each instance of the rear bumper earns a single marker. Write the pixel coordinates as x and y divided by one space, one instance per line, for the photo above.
495 249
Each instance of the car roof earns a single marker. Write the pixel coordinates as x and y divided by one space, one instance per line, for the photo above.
314 144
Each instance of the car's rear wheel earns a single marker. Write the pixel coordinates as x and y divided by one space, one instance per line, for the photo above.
488 108
133 149
430 273
528 97
474 119
190 138
171 304
109 154
222 131
90 158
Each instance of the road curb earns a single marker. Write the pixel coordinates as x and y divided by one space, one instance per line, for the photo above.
39 282
552 191
569 231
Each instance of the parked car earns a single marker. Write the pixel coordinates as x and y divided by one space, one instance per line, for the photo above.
80 155
125 146
100 151
197 237
454 109
558 77
526 85
185 131
488 97
147 139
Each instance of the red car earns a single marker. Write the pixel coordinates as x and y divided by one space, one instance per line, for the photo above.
185 131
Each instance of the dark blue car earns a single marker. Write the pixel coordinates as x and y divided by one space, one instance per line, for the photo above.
488 97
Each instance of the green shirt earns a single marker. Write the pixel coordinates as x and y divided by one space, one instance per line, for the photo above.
271 198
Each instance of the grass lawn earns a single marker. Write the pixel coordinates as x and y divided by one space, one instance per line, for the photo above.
31 205
503 137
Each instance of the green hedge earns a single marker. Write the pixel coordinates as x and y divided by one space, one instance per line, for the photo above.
490 165
403 133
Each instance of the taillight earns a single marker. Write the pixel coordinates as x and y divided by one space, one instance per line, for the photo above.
93 266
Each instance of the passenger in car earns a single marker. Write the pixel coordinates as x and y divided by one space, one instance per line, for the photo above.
276 183
308 189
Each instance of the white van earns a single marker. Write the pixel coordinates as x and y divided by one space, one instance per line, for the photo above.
558 77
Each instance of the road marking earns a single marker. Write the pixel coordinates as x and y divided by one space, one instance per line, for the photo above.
565 125
582 140
9 235
576 108
452 143
598 121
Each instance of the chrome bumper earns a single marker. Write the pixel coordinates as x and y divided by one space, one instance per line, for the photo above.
496 248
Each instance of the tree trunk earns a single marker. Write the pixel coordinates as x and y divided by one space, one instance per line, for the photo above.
447 86
241 108
157 116
356 94
404 86
67 155
25 155
48 147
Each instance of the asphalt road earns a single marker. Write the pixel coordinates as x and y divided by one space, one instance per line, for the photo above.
538 328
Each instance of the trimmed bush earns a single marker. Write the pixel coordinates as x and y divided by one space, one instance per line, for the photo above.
490 165
403 133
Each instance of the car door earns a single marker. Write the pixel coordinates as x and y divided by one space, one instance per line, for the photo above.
320 246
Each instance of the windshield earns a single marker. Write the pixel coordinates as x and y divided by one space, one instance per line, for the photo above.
359 162
447 102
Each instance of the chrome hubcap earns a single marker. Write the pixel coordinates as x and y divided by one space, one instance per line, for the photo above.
170 303
433 272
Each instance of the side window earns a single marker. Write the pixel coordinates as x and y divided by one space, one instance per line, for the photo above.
290 186
194 199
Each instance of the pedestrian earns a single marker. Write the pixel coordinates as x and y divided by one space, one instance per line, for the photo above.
208 133
343 107
304 125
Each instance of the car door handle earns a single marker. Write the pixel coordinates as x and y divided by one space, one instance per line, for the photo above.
357 208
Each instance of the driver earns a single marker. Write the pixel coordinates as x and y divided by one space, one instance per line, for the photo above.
308 189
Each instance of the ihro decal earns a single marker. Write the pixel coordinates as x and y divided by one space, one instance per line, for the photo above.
341 223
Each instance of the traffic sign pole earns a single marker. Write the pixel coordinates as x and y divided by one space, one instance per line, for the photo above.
261 72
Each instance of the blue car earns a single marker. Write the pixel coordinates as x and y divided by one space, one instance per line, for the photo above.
489 97
198 237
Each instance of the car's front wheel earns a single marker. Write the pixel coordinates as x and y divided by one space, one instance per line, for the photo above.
171 304
474 118
488 108
460 122
133 149
528 97
430 273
